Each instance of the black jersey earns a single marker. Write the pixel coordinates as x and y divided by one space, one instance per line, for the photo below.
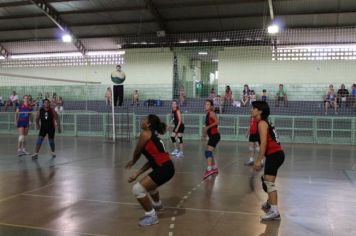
47 118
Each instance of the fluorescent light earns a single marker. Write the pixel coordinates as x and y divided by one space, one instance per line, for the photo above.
27 56
215 60
182 41
99 53
67 38
273 29
203 53
2 58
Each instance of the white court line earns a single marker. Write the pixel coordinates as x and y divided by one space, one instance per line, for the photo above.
83 199
170 234
175 212
52 230
171 226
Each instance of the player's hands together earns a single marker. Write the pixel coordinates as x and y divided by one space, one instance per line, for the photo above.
257 166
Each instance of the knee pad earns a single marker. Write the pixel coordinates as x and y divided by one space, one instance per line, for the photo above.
21 138
208 154
180 139
173 139
251 148
138 190
268 186
153 192
39 140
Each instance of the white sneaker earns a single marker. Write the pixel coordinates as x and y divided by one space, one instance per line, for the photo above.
148 220
250 162
20 153
180 154
25 152
175 152
271 215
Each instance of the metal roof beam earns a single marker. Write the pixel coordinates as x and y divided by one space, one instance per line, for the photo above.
28 2
154 11
54 16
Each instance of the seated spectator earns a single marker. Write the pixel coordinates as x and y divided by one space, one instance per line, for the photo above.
135 98
281 96
330 101
228 97
39 101
212 94
54 100
217 104
353 95
47 96
245 96
108 96
59 105
12 101
181 99
343 96
264 95
252 96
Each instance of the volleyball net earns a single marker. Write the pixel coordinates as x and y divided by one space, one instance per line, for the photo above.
292 71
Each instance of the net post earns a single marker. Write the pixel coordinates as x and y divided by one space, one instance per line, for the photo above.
113 114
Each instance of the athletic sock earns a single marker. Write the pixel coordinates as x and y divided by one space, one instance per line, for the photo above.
150 213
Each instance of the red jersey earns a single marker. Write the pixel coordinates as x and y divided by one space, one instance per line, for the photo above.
155 152
273 144
253 126
209 120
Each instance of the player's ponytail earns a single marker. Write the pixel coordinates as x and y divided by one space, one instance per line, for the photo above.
156 124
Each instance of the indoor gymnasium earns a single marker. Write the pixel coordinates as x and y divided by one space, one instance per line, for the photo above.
177 117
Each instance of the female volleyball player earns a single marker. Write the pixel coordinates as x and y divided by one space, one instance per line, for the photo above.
211 130
151 146
178 130
49 120
22 122
270 149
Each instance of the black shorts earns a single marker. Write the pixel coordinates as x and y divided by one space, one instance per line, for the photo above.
163 173
180 129
213 140
44 132
273 162
254 138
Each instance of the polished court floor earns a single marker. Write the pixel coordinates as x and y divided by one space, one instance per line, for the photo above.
84 191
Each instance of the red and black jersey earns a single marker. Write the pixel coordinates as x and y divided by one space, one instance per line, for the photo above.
47 118
175 117
253 126
209 120
273 144
155 152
